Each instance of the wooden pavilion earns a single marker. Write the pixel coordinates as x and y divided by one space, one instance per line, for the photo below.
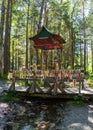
45 40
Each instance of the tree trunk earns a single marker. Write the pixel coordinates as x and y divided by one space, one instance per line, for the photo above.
27 39
59 24
73 60
31 53
32 32
46 14
84 27
16 60
1 34
12 55
41 14
81 57
92 55
10 22
7 37
86 57
71 40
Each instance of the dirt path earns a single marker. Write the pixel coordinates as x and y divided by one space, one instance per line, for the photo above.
78 118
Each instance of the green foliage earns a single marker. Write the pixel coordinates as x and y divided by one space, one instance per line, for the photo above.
4 77
90 80
87 73
77 103
40 83
68 12
10 97
79 97
79 100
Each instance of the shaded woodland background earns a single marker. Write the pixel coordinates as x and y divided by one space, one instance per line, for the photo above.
21 19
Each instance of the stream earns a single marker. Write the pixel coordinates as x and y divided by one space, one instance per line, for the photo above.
32 115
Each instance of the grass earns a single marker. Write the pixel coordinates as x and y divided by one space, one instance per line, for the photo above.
10 97
77 103
77 100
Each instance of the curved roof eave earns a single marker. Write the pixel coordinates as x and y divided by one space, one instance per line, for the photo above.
43 33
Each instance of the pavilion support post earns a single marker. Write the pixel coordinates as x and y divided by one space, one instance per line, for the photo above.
37 55
51 59
12 87
61 59
46 62
46 58
41 60
79 86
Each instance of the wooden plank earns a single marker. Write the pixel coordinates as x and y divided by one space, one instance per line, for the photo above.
50 96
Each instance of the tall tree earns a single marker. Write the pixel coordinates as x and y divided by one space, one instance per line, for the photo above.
84 29
46 13
7 37
1 34
92 54
27 38
41 14
60 20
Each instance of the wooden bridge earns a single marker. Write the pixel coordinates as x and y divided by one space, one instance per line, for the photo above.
53 88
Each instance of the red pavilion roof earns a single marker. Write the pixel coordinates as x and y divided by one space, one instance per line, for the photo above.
47 40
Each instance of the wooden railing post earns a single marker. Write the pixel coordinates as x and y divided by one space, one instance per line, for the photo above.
12 87
79 86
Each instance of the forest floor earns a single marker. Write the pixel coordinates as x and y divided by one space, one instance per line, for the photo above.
78 117
75 117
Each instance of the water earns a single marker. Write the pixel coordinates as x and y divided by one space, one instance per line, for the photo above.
36 115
